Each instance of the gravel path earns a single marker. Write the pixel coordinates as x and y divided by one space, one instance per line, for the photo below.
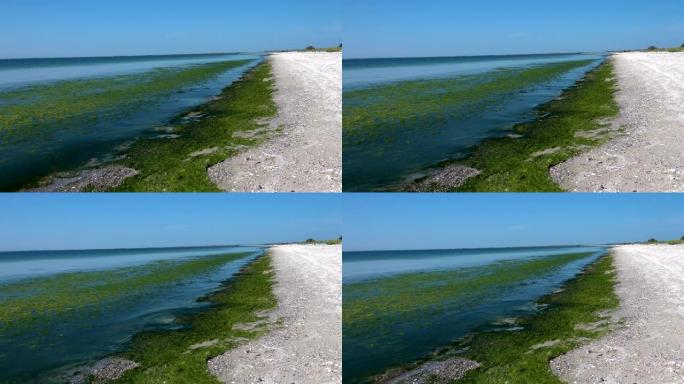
307 349
307 155
649 348
649 157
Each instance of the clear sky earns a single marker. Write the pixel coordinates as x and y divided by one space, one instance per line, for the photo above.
101 221
59 28
438 221
401 28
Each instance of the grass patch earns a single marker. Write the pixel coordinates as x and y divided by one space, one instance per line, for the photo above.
326 242
231 123
166 357
508 357
522 164
311 48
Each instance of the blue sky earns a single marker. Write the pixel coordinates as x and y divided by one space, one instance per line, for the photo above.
94 221
56 28
401 28
438 221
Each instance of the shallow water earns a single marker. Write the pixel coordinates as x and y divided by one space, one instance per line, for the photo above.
360 73
21 72
398 144
54 345
27 264
88 139
401 306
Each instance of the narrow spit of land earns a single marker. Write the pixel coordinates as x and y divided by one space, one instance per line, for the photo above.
306 156
306 348
648 347
649 156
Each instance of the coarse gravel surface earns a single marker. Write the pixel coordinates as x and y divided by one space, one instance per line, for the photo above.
649 156
307 347
306 154
95 180
648 347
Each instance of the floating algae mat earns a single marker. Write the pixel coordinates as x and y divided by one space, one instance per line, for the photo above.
60 310
64 122
400 307
404 116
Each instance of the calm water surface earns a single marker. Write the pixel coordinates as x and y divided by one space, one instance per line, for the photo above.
24 159
67 343
370 349
388 160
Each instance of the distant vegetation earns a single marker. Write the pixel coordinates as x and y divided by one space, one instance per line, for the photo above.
328 242
670 242
311 48
653 48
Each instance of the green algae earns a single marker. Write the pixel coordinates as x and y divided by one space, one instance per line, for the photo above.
27 303
564 129
232 122
167 356
508 357
370 307
421 104
43 109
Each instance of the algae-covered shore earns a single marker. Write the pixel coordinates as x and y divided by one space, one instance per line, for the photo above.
177 157
518 350
63 121
418 302
67 321
580 119
276 128
405 117
185 315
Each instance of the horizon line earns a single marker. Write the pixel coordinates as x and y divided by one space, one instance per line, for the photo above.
118 56
498 247
135 248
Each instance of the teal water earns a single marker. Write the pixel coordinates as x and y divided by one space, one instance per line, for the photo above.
409 332
54 346
392 151
85 140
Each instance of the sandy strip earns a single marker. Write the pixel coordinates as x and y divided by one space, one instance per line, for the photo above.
307 349
649 348
307 156
649 157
